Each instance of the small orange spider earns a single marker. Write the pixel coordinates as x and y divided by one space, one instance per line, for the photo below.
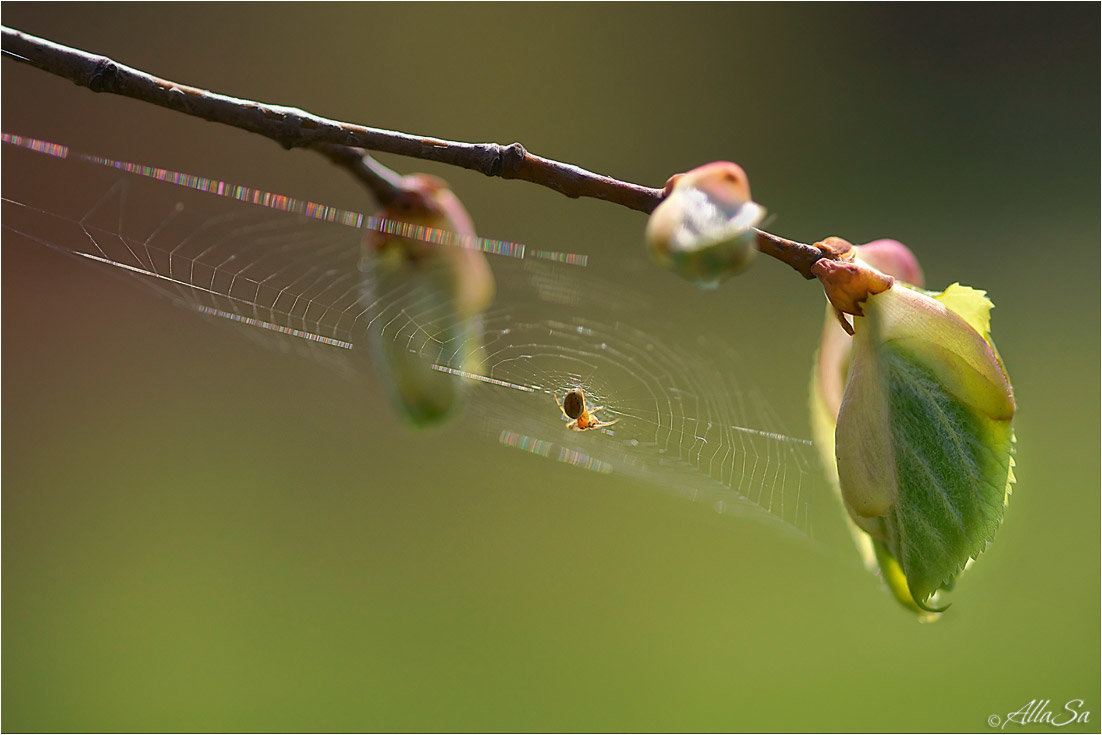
581 418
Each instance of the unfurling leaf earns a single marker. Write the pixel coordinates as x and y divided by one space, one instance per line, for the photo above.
914 412
442 290
703 230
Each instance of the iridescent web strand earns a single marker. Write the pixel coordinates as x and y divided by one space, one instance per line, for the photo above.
481 378
252 322
543 448
313 210
36 145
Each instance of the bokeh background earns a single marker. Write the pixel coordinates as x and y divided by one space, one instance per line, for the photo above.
202 534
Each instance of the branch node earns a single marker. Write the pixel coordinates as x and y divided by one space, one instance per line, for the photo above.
177 98
104 77
294 134
510 160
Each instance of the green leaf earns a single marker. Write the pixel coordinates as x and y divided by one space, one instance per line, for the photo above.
923 440
952 464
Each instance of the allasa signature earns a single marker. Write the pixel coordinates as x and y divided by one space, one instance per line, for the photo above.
1040 712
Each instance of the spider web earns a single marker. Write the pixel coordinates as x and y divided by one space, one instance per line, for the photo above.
684 423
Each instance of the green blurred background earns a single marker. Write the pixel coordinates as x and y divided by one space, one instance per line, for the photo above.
201 534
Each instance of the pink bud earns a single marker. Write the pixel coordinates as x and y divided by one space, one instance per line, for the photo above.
893 258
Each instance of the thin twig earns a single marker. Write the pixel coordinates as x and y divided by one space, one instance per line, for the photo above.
383 183
292 127
796 254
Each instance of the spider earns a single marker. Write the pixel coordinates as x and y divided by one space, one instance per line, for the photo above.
581 418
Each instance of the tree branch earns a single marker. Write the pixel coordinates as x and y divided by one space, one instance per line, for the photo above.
292 127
